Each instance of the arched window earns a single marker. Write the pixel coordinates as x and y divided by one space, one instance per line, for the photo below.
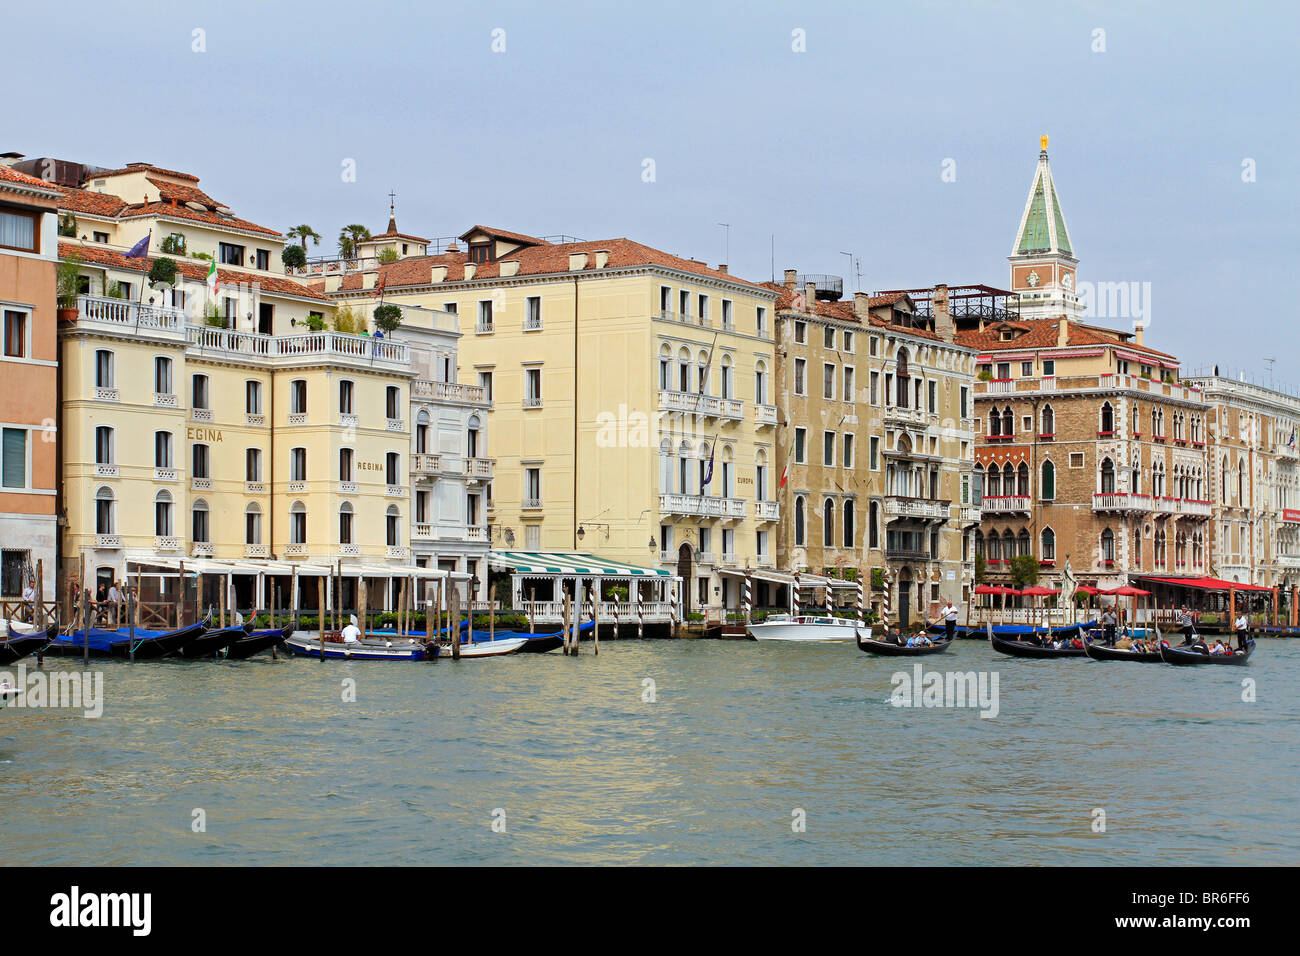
345 464
684 456
253 523
1008 545
702 373
828 523
1022 480
199 522
849 531
1107 423
1107 476
665 367
995 482
799 522
728 379
1108 545
1241 482
347 397
665 467
1047 481
103 368
421 432
1008 422
979 543
162 375
1047 545
1022 543
902 382
393 526
726 487
345 523
760 475
994 547
393 469
162 514
297 523
1047 424
684 370
104 511
703 464
760 383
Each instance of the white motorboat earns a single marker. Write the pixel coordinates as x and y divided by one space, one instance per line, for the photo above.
808 628
487 648
18 626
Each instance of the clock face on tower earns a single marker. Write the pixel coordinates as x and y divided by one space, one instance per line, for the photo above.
1067 280
1032 279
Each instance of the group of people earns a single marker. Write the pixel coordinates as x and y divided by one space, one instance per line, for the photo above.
107 606
1195 642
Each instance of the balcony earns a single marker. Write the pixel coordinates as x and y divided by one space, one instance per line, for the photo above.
767 510
531 504
448 392
307 348
105 470
705 559
532 323
423 531
204 549
254 487
397 552
296 549
970 514
1121 501
255 420
925 509
201 414
999 386
348 420
297 487
350 550
1188 507
108 541
764 415
732 509
532 401
691 403
479 469
904 555
765 561
1004 504
395 491
476 532
347 487
165 542
106 394
427 466
130 318
910 417
484 327
395 424
257 551
297 418
165 400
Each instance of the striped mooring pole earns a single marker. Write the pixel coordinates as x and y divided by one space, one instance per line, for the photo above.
640 613
862 596
830 611
884 599
794 595
749 598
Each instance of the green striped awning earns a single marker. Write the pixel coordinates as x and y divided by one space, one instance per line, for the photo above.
569 562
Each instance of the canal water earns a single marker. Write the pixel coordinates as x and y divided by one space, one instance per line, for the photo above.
737 753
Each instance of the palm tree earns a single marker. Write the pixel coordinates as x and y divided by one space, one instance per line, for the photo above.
349 238
304 232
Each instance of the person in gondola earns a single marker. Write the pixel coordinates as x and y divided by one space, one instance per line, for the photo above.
351 633
949 615
1185 622
1108 626
1241 626
896 636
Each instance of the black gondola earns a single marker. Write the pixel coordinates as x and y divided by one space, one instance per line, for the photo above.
1186 656
256 642
159 645
149 645
871 645
211 642
1101 652
17 646
1026 649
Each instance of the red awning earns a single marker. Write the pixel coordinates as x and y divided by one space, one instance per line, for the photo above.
1210 584
1127 591
1037 591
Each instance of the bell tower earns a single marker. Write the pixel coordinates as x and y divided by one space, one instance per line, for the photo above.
1042 260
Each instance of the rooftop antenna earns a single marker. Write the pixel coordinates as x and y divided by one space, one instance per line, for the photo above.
726 242
773 257
855 269
1270 362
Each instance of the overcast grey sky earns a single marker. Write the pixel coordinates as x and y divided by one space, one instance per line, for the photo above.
840 147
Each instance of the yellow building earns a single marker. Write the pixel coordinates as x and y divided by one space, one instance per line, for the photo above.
631 414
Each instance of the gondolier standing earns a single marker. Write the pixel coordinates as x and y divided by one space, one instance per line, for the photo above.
1241 626
949 614
1185 622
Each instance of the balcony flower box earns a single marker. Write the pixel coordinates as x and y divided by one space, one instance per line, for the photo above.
1049 436
1105 434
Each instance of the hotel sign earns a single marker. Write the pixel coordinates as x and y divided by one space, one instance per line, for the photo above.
1291 514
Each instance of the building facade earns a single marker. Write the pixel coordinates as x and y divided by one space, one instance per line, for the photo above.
630 412
29 402
1254 471
876 433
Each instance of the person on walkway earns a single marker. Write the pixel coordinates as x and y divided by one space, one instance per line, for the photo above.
116 600
29 601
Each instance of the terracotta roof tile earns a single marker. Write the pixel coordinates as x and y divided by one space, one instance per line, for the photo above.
141 168
9 175
95 254
184 212
1043 334
95 204
503 234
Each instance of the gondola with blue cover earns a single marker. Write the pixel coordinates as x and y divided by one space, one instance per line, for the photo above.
16 646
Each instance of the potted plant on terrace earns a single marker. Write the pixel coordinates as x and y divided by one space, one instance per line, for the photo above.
68 286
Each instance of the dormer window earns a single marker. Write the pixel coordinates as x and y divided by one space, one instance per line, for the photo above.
480 252
1006 335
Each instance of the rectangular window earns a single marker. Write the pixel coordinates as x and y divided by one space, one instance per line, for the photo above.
874 453
828 337
965 402
199 396
15 332
533 312
873 387
485 383
1026 369
800 333
253 464
298 397
683 304
727 321
848 383
800 385
162 449
799 434
263 259
828 449
18 230
848 450
665 301
100 237
298 464
484 315
533 487
848 341
253 397
704 307
875 345
934 397
13 450
200 462
533 387
760 321
1049 367
1004 370
230 254
828 381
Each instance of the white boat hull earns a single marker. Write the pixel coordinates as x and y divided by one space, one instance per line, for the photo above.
18 626
819 630
488 648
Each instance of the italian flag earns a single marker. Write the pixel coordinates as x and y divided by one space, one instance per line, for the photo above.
212 277
785 472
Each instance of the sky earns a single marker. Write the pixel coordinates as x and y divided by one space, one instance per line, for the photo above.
905 134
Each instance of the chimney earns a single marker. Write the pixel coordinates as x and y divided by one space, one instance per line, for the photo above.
577 261
943 326
602 258
452 247
470 269
722 267
438 274
862 305
791 280
1138 328
1062 332
509 267
810 296
369 279
333 282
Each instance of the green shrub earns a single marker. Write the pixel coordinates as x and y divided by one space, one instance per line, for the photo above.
294 257
387 317
173 245
387 254
163 271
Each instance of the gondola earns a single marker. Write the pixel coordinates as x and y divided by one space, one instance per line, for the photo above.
210 643
1187 656
17 646
1019 649
257 642
1012 631
149 645
1102 652
871 645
